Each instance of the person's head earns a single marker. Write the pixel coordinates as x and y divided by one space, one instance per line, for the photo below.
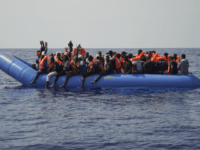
148 58
183 56
65 49
58 54
51 54
171 58
90 58
126 58
143 58
123 53
130 56
98 56
166 55
146 52
118 55
153 51
110 53
139 51
87 54
175 56
43 54
79 46
99 52
107 58
149 53
114 53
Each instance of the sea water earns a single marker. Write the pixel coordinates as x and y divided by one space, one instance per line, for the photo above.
126 118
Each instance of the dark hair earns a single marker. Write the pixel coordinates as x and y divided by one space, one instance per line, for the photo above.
125 58
118 55
175 56
171 58
90 58
153 51
110 52
183 56
123 53
165 54
143 58
130 55
65 58
139 51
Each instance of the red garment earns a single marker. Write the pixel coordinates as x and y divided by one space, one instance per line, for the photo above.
41 62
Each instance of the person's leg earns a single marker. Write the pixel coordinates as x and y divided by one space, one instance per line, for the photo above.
37 74
56 78
100 75
69 74
84 75
48 77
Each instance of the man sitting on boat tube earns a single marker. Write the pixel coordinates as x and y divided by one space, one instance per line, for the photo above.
42 66
183 66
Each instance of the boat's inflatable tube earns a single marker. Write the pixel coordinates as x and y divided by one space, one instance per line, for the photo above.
22 72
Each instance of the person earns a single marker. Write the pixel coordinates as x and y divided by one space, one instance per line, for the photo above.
164 57
128 67
176 58
123 62
66 68
172 66
149 66
50 61
78 50
117 63
137 65
81 66
74 63
57 68
102 60
86 58
89 72
98 67
108 69
138 56
70 44
183 65
161 66
42 66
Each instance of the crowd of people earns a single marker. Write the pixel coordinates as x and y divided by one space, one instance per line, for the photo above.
76 61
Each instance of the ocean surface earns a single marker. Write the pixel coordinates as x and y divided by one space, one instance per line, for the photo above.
99 119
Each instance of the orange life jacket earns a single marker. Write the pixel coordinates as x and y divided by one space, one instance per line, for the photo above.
164 58
117 63
155 57
74 66
38 53
177 59
91 67
50 64
138 57
83 52
41 62
57 60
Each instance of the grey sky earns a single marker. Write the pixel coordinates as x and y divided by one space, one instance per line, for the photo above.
100 23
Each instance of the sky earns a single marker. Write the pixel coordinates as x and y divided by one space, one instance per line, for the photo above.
100 23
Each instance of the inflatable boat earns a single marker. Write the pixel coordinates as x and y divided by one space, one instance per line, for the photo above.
23 72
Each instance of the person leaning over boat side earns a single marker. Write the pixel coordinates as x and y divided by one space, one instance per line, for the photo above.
123 62
42 66
108 69
149 66
172 67
183 65
128 67
57 68
74 63
66 68
90 70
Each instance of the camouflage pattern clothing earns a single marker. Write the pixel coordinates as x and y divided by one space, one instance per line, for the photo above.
183 66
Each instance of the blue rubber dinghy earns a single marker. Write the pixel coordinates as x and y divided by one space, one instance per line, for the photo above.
22 72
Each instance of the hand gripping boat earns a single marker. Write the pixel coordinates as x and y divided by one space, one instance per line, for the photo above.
22 72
